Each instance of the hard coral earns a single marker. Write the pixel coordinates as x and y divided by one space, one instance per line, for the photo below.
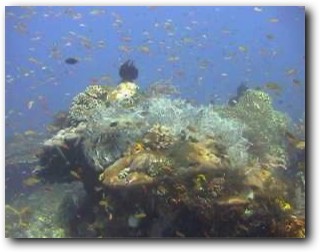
265 125
197 157
158 137
133 170
203 156
86 102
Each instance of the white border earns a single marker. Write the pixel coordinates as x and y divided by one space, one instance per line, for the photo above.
191 245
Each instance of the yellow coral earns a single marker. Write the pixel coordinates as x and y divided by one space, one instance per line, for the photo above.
284 205
124 91
204 156
199 182
136 148
201 178
128 86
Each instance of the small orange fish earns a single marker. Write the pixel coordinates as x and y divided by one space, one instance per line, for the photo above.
274 20
75 174
144 49
64 146
31 181
235 200
173 58
30 104
242 48
294 141
291 71
47 189
296 82
179 234
301 145
126 38
187 40
103 203
30 133
273 86
192 128
124 48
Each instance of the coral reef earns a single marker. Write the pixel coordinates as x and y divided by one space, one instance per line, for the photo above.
147 162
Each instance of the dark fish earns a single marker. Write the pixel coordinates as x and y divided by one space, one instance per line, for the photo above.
128 72
296 82
71 61
270 36
242 89
113 124
31 181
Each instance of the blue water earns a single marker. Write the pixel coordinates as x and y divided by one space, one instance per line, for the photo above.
207 51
